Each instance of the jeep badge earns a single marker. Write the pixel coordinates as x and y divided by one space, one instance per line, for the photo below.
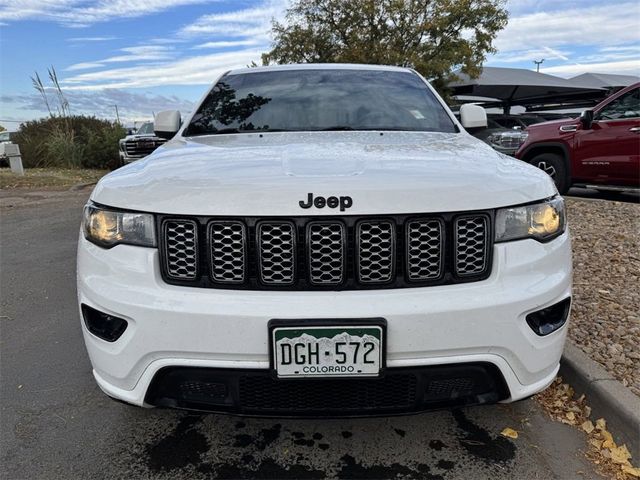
331 202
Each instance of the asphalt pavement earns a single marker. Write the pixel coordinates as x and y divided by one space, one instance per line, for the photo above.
55 422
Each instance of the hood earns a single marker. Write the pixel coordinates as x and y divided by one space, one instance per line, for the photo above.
270 173
136 136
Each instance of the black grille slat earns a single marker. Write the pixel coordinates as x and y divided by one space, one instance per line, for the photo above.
277 252
425 249
376 251
181 249
471 245
227 248
327 253
326 244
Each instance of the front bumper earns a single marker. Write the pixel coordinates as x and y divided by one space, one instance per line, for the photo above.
173 326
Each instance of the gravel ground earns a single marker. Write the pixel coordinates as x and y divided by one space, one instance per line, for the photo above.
606 307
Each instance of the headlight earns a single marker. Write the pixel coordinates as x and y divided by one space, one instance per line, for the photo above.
541 221
108 228
510 139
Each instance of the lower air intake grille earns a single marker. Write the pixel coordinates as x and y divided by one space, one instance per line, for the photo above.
264 393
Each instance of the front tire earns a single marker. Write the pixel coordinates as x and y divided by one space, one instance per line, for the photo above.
555 166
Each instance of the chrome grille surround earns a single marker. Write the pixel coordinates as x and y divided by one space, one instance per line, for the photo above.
277 252
181 247
326 243
471 232
425 249
227 242
375 251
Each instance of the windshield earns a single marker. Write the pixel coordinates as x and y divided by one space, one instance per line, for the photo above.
5 136
145 129
313 100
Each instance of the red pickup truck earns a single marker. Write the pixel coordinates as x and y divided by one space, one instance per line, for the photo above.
600 149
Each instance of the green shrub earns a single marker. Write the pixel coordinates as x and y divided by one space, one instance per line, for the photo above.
69 142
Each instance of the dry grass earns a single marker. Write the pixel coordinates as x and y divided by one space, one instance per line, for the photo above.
48 178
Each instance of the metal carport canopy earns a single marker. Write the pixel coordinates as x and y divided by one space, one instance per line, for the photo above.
519 86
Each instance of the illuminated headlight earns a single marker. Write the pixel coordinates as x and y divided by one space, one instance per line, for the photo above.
540 221
108 228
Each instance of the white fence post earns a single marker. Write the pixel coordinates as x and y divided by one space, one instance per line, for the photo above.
12 151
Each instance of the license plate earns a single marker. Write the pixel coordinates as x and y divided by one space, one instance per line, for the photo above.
327 351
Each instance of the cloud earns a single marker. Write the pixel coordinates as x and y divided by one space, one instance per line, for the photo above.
596 25
196 70
76 13
227 44
529 55
132 54
89 39
84 66
626 67
131 106
254 23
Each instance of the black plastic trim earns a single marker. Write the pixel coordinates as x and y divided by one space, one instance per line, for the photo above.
164 390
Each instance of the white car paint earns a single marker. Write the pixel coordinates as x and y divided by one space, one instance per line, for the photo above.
267 175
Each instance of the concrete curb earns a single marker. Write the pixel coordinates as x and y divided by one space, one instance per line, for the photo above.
606 396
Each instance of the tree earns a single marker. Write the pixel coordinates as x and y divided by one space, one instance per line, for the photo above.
434 37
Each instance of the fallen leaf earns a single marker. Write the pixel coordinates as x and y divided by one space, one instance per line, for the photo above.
620 455
587 411
596 443
633 471
608 440
571 416
509 433
587 426
601 424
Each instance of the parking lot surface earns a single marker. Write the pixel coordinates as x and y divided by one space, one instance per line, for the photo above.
57 424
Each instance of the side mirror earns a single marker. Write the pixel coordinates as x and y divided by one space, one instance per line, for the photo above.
473 116
586 119
167 123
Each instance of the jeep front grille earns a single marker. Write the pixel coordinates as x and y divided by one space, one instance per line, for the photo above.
181 249
326 241
277 252
326 253
471 245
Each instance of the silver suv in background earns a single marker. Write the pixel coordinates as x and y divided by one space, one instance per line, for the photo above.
140 144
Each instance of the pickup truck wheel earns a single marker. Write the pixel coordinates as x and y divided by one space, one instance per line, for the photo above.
555 167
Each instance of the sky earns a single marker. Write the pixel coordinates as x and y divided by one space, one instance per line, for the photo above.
150 55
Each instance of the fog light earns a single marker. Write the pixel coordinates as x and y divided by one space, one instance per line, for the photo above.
102 325
549 319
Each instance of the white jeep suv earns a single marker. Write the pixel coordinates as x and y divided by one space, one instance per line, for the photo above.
323 240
